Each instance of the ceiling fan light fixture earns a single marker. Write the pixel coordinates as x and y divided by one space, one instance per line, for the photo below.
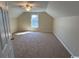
28 7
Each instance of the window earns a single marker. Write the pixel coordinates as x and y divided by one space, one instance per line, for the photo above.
34 21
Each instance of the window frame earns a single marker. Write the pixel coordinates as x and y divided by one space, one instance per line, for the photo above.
36 20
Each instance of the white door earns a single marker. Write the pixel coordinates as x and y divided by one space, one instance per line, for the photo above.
6 50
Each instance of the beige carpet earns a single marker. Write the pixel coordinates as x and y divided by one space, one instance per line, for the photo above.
38 45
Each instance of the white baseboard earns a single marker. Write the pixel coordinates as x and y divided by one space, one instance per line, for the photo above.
72 55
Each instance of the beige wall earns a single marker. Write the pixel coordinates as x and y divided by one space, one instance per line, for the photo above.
65 25
13 25
45 22
67 31
24 22
13 14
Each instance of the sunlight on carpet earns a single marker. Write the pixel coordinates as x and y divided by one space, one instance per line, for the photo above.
21 33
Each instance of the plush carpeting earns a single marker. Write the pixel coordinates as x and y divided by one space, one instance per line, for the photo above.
38 45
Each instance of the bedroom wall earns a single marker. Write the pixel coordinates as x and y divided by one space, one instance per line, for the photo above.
13 25
66 30
66 24
45 22
13 14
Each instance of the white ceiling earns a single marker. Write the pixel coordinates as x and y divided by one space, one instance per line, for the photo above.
42 5
63 8
54 8
15 11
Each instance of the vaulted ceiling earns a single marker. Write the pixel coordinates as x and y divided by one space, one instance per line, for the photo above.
53 8
40 6
63 8
15 10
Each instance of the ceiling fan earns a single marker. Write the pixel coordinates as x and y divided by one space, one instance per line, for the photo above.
27 5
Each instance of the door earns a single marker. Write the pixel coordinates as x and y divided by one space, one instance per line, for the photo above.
6 50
